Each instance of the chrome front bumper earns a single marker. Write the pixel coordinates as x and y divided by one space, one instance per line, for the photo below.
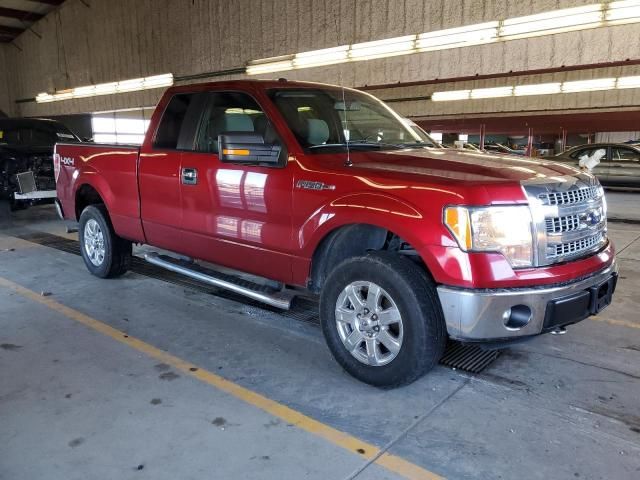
488 315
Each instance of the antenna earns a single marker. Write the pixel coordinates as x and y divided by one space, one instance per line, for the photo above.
348 162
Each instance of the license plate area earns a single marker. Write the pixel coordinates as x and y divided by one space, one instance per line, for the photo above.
602 294
580 305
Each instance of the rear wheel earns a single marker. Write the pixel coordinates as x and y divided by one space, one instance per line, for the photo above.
105 254
382 320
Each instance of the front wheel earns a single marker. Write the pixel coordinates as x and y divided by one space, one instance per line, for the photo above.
105 254
382 319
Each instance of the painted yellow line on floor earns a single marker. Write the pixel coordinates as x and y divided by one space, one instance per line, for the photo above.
355 445
614 321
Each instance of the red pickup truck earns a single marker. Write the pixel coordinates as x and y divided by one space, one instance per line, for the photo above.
326 189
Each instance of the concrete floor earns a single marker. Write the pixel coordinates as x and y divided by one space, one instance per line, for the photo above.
623 205
78 401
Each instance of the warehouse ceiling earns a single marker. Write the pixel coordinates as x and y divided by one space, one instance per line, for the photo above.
16 16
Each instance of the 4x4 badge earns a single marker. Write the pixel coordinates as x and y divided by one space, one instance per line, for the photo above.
310 185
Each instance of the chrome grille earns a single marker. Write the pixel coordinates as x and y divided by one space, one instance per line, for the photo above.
569 222
570 197
575 247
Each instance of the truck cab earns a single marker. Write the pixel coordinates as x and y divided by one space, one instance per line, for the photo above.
326 188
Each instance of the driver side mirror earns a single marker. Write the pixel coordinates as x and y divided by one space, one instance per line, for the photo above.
247 147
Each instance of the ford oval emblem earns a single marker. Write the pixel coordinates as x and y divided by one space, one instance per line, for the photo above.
593 218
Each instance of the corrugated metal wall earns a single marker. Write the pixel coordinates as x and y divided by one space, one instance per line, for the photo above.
119 39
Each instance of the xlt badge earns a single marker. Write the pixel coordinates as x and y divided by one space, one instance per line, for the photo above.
311 185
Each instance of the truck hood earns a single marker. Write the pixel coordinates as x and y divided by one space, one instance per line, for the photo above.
439 164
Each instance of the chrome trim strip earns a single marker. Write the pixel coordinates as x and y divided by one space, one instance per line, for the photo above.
282 301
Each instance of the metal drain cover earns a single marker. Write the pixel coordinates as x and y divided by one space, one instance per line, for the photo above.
467 357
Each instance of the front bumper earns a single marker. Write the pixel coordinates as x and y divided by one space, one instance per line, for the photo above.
493 315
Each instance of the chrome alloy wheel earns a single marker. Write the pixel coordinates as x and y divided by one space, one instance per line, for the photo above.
369 323
94 242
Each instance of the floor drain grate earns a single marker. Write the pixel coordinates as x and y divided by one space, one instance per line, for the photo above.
470 358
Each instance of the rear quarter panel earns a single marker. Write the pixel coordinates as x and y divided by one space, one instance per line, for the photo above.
112 170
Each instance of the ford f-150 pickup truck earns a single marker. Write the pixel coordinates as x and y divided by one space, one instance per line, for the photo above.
327 189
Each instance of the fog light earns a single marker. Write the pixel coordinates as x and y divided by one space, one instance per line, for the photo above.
516 317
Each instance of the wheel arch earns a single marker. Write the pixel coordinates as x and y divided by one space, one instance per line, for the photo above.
86 194
356 239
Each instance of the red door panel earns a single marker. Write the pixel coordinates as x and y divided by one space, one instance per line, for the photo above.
238 216
161 210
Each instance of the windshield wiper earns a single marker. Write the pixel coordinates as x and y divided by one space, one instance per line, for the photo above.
356 144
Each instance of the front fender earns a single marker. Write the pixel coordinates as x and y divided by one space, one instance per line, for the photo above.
377 209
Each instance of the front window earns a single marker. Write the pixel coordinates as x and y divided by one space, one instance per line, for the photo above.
334 119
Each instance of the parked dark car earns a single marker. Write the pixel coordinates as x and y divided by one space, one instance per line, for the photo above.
499 148
620 167
26 159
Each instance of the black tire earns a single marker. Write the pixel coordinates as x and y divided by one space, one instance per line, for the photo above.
117 251
416 298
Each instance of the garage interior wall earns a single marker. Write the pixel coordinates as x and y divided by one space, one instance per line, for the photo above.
94 41
6 105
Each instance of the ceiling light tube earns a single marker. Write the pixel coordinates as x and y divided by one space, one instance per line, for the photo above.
589 85
316 58
626 11
156 81
269 67
450 95
628 82
555 21
539 89
494 92
458 37
383 48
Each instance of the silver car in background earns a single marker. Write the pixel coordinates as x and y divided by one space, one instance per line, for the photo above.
620 167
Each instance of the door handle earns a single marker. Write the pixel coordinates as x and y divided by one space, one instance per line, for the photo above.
189 176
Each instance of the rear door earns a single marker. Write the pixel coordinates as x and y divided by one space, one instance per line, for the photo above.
236 214
625 167
160 174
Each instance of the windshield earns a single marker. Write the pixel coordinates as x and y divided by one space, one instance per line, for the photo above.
41 136
326 119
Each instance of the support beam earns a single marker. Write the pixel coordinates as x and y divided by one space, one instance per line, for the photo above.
22 15
10 31
50 2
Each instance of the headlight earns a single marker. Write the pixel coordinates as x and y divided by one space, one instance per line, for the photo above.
493 229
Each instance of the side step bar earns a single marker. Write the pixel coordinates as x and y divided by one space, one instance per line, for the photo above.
278 299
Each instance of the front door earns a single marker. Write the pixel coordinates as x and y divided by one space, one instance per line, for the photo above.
159 174
236 215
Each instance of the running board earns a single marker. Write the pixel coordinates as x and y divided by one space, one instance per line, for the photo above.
279 299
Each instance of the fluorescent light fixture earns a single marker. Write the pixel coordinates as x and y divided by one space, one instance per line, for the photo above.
494 92
458 37
556 21
451 95
626 11
383 48
546 23
539 89
577 86
136 84
269 66
628 82
589 85
316 58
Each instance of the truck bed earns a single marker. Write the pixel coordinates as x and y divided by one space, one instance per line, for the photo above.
111 171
